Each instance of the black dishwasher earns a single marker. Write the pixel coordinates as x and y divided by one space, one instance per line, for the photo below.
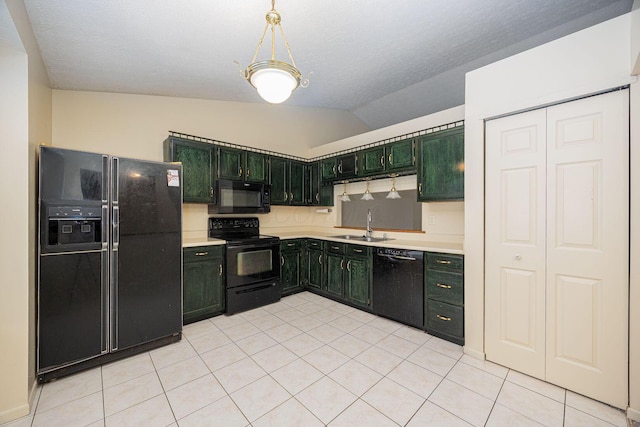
398 288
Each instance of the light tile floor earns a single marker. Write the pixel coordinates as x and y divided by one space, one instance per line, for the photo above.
309 361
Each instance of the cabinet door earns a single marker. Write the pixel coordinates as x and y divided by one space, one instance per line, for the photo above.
441 166
358 281
257 167
297 187
328 169
313 184
203 289
401 155
315 269
326 195
198 168
290 272
372 161
230 164
347 165
279 181
335 266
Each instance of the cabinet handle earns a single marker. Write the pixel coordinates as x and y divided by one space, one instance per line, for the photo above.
390 158
286 196
202 253
349 265
443 286
442 261
341 264
420 188
247 172
281 260
291 198
340 167
445 318
320 259
220 270
211 191
334 169
291 244
240 171
382 160
318 197
358 250
335 247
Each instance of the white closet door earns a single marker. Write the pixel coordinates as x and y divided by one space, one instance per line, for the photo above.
588 246
515 242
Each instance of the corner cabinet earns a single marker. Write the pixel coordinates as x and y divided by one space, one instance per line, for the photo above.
291 265
203 283
444 296
198 168
441 166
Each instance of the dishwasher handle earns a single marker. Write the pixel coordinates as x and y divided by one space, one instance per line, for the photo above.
398 257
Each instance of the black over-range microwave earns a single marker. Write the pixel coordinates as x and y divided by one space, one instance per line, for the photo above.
237 197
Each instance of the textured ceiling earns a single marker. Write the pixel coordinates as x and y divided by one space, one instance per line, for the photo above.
385 62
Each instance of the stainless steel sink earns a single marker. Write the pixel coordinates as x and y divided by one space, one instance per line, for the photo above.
361 238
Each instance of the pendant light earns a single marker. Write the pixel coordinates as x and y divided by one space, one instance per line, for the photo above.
275 80
393 194
367 195
345 197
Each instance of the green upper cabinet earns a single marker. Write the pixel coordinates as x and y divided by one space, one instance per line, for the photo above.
441 165
256 167
328 169
198 168
317 193
400 155
279 181
297 193
326 195
347 165
288 179
230 163
240 165
372 161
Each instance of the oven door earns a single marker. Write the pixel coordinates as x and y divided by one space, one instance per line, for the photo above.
251 263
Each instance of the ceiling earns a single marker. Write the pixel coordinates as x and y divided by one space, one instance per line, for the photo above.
385 62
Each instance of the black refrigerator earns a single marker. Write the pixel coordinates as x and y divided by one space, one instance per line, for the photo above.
110 258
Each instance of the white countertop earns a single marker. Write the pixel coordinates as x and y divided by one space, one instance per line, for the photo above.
413 244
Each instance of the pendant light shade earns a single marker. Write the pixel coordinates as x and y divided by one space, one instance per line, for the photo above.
393 194
275 80
367 195
345 197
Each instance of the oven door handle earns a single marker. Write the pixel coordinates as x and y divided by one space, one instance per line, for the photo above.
243 246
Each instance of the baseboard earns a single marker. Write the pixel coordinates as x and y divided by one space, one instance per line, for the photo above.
33 393
633 414
474 353
14 413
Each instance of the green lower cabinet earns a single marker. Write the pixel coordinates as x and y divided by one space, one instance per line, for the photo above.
315 269
358 281
203 282
335 267
444 296
291 262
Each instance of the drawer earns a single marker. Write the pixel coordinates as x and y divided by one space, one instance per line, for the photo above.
335 248
201 253
445 262
315 244
358 250
291 245
444 318
445 286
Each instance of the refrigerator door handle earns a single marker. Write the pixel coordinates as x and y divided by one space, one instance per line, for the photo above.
115 189
113 299
115 228
105 228
104 299
105 179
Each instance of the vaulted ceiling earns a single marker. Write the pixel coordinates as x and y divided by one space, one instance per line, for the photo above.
385 62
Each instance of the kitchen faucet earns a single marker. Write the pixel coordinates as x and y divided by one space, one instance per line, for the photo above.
369 231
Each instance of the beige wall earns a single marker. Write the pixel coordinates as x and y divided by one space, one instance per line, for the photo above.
585 62
135 125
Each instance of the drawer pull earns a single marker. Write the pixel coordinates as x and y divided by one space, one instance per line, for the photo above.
290 244
202 253
335 247
358 250
442 261
445 318
443 286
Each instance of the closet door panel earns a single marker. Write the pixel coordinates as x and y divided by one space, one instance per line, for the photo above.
515 236
588 246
